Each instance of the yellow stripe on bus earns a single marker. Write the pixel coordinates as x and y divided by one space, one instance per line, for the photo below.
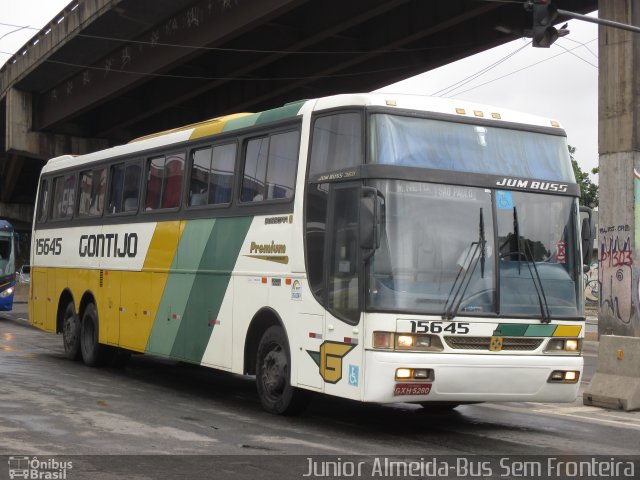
142 291
567 331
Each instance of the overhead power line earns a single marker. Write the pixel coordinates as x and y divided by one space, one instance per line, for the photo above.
519 70
254 50
470 78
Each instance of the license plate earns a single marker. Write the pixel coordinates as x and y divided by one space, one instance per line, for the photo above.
412 389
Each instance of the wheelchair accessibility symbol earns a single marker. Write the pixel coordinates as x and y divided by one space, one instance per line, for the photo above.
354 374
504 199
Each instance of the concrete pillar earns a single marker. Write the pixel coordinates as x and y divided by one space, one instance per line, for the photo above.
619 224
22 140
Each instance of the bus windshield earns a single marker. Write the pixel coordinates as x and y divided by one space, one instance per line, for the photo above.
446 248
460 147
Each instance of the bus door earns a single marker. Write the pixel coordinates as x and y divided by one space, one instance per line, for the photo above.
342 350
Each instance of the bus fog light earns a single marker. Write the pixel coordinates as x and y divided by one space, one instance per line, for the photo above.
423 341
571 376
564 376
404 373
557 376
421 373
382 340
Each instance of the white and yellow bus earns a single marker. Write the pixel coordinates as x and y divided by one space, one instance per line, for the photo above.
376 247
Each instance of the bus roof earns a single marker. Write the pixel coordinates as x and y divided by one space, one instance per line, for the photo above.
237 121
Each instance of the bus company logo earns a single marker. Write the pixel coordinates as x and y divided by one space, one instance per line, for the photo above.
532 185
32 468
272 252
108 245
329 359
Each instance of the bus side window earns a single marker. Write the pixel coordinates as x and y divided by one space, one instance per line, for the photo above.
164 181
174 169
199 182
93 185
282 165
212 175
270 167
124 190
221 176
155 177
131 189
64 192
43 201
337 142
255 169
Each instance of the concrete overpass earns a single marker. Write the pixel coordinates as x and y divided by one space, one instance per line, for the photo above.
105 71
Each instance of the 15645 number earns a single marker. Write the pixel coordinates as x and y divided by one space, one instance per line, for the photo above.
49 246
426 326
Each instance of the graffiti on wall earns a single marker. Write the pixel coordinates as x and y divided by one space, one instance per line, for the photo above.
615 272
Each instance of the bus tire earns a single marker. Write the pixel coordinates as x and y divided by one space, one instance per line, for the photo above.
273 371
71 332
93 353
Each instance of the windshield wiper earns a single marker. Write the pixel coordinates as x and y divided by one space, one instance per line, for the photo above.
537 281
480 246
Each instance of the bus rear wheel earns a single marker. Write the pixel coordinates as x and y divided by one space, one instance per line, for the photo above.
93 353
273 371
71 332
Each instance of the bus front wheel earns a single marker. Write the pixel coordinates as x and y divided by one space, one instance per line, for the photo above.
273 370
71 332
93 353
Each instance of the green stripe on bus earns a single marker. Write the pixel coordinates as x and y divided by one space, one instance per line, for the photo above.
176 292
540 330
524 330
209 288
290 110
511 330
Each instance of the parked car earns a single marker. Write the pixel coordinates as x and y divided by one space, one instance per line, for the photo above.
24 274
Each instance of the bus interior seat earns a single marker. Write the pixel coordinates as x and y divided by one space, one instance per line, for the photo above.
130 204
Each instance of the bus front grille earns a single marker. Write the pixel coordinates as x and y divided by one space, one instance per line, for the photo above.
482 343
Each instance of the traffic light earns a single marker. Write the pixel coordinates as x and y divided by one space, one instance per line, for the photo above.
544 13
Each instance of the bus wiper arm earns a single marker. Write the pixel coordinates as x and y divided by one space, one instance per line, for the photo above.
535 276
483 244
476 254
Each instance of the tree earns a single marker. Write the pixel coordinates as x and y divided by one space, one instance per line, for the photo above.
588 190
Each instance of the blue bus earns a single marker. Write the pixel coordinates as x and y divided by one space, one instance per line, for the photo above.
7 265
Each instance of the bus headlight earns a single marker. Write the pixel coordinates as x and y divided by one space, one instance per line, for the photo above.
564 345
6 293
412 342
406 342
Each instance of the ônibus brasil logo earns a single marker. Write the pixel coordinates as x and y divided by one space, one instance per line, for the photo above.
32 468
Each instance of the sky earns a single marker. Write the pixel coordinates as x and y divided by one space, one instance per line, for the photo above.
554 82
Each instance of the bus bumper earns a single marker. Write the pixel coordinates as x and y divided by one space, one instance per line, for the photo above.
470 378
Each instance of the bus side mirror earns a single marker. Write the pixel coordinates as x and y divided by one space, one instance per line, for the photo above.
371 204
587 235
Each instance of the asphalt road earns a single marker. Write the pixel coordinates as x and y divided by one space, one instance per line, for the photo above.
50 406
